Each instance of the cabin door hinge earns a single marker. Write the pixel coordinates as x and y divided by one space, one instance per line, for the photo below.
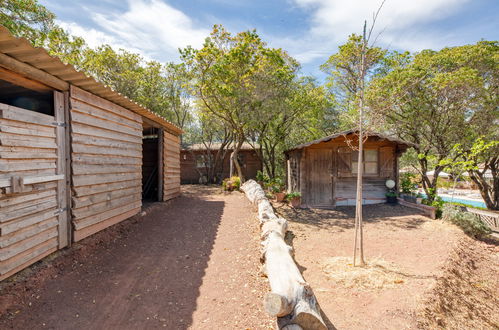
61 210
56 123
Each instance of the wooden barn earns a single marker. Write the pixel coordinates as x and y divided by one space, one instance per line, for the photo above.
75 156
196 160
324 170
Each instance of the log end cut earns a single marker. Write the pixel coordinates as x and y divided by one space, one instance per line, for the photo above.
276 305
309 321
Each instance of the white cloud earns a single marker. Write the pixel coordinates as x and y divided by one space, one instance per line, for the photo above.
154 27
149 27
401 23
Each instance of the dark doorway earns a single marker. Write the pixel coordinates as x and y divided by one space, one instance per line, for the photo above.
150 164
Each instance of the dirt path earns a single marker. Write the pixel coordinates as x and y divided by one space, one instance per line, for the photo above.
187 264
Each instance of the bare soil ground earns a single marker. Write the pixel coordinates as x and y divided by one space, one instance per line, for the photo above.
191 263
410 281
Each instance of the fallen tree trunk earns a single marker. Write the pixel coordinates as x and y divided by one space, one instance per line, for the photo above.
291 299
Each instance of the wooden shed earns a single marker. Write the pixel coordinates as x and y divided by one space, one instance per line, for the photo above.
75 156
324 170
197 159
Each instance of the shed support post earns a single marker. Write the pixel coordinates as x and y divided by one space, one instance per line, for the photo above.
64 227
160 165
288 172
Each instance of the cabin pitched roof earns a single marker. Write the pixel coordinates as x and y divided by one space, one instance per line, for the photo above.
352 131
56 74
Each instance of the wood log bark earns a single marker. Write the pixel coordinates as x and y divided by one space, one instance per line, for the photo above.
291 299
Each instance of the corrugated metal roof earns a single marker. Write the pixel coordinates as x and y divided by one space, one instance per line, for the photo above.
352 131
21 50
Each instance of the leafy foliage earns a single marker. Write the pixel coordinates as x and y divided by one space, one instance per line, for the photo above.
468 222
232 183
439 99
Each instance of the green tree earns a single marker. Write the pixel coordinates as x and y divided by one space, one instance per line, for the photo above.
236 77
294 116
481 160
440 99
26 18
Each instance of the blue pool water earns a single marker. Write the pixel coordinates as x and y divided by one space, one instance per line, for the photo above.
462 201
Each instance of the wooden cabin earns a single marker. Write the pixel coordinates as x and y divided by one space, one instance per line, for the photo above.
75 156
324 171
197 159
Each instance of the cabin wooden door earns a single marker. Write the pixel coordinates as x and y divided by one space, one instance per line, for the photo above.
320 187
33 210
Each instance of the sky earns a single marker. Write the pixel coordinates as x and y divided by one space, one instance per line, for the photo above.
310 30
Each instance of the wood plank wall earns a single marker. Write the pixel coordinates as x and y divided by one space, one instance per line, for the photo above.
106 149
28 212
171 166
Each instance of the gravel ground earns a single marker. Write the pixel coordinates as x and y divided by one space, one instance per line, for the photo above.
191 263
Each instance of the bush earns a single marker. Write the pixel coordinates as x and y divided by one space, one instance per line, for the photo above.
260 177
274 185
231 184
470 223
407 183
437 203
292 195
391 193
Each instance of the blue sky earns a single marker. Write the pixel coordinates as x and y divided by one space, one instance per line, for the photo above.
310 30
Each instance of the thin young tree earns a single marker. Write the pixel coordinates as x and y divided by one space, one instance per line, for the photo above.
358 253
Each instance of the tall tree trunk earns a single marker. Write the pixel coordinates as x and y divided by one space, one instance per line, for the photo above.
236 160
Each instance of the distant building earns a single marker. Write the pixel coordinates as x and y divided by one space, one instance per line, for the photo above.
197 163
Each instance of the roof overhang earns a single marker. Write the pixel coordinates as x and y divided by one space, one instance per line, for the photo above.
18 55
350 132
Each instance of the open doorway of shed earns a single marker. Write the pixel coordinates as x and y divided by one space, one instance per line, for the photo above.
151 164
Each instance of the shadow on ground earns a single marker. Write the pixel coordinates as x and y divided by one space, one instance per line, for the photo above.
143 273
342 217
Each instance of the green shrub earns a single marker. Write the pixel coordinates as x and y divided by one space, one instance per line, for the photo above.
407 183
437 203
470 223
391 193
292 195
274 185
261 177
231 184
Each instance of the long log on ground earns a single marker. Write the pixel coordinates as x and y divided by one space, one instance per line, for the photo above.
291 299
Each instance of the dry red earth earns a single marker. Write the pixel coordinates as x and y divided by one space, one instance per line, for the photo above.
415 262
191 263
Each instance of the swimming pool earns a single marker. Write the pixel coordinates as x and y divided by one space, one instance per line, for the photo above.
462 201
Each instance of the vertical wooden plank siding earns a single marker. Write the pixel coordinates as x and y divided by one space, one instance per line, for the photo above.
320 190
171 166
61 169
28 211
106 153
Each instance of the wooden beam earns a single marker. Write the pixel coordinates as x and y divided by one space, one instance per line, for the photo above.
19 80
62 186
31 72
160 165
